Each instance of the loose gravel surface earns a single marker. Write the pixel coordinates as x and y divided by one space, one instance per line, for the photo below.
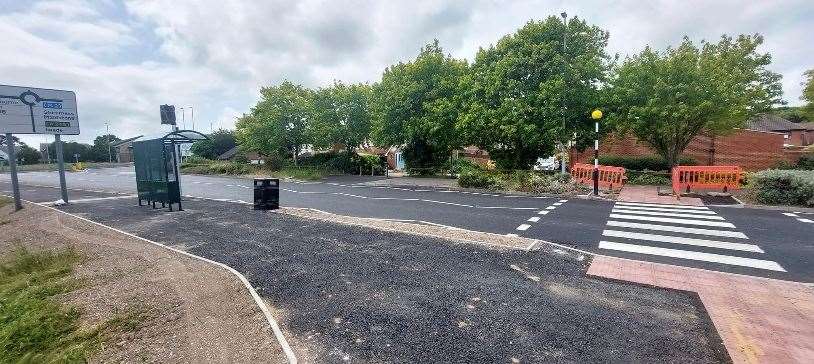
357 294
188 310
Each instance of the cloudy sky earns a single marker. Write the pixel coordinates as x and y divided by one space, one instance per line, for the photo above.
125 58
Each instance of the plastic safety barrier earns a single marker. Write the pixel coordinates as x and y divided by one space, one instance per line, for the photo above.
691 178
609 177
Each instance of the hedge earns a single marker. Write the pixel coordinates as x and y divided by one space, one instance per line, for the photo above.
782 187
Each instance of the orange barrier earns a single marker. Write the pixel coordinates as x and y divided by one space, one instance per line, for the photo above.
690 178
609 177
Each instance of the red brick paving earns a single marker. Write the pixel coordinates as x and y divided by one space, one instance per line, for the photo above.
760 320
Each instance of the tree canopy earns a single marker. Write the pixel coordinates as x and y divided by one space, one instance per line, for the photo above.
667 98
218 143
277 124
808 93
414 106
520 90
340 115
101 151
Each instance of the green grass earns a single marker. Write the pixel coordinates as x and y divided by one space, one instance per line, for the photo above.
5 201
34 328
237 169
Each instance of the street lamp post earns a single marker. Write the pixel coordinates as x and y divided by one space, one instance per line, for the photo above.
565 69
596 115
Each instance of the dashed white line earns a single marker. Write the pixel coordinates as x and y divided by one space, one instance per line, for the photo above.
543 212
533 219
523 227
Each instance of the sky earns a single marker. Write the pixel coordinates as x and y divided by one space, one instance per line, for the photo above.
125 58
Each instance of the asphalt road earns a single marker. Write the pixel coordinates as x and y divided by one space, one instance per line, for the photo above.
351 294
779 246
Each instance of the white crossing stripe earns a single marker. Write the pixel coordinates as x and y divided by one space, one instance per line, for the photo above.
708 212
683 254
551 207
563 201
523 227
543 212
557 203
663 205
790 214
684 241
534 219
672 220
806 220
679 229
670 214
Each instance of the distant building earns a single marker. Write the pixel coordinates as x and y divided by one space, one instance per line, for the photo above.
794 134
124 149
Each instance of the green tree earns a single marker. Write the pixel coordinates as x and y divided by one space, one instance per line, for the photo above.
277 124
531 91
100 148
340 115
808 93
70 150
795 114
414 106
28 155
667 98
218 143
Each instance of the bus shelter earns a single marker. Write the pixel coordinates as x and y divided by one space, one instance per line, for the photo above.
157 170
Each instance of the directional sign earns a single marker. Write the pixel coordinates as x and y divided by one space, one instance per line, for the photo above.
28 110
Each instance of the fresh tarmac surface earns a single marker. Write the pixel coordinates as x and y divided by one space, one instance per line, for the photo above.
575 222
348 293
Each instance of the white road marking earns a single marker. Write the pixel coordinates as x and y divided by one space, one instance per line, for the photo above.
683 254
669 214
679 229
790 214
663 205
627 207
672 220
551 207
806 220
523 227
684 241
556 204
543 212
533 219
97 199
563 201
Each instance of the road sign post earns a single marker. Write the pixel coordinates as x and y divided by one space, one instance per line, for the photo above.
28 110
12 163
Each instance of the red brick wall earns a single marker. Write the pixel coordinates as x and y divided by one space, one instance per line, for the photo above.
751 150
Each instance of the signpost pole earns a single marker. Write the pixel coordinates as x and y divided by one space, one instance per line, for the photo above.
61 164
12 163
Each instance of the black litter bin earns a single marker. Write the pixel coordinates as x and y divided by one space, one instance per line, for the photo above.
266 193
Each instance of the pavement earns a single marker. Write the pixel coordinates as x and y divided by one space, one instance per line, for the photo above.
576 222
353 294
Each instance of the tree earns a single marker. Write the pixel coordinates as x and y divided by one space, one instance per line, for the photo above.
414 106
101 151
218 143
795 114
340 115
277 124
667 98
70 149
520 90
28 155
808 93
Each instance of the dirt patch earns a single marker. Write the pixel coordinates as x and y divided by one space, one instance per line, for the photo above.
184 310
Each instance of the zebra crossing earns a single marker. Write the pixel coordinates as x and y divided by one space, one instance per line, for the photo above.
689 233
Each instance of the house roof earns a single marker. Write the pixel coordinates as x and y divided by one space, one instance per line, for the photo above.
120 142
769 122
228 154
808 125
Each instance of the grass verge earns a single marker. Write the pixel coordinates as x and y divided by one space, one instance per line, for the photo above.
35 328
5 201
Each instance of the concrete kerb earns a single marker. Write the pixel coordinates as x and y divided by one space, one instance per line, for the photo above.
278 334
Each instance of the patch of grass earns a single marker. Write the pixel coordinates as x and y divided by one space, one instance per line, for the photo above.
302 173
5 201
34 328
